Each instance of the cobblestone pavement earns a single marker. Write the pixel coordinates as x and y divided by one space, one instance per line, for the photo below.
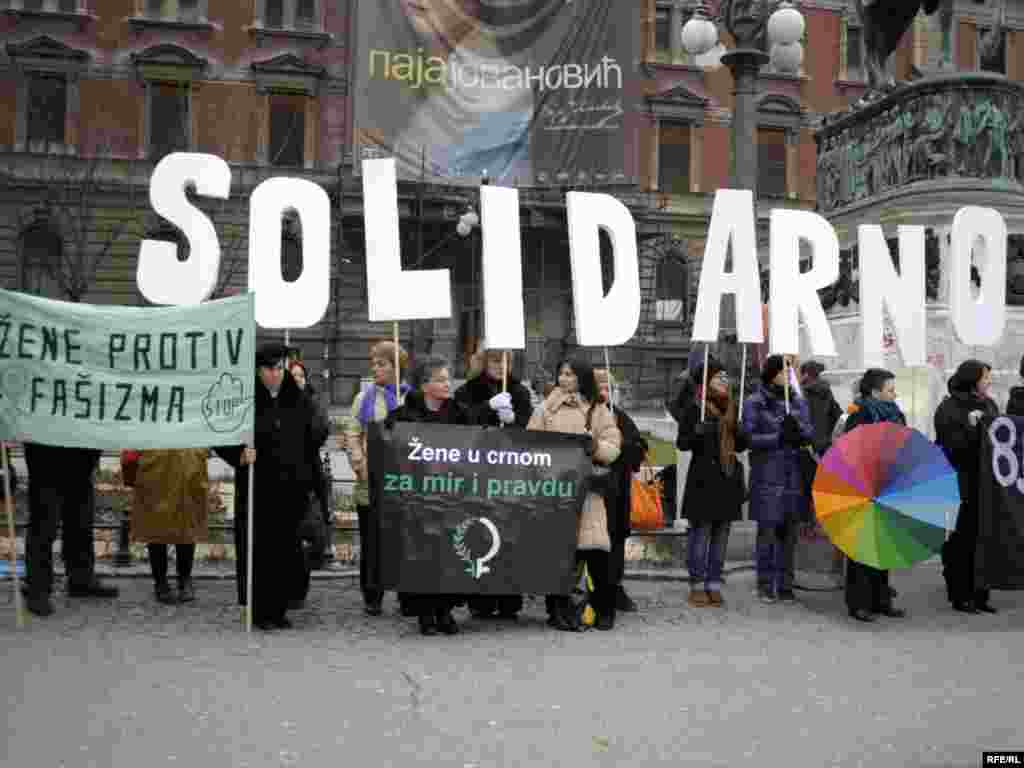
132 682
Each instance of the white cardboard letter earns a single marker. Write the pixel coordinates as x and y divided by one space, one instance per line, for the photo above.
978 322
902 294
732 218
393 293
603 320
302 303
161 278
794 295
504 324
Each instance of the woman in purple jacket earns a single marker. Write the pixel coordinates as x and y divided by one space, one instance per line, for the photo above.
778 502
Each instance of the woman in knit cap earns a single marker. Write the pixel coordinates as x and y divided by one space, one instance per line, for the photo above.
959 433
778 501
714 483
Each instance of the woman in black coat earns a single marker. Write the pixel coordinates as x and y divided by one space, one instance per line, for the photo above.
714 493
486 405
618 496
286 447
430 402
867 588
314 543
959 433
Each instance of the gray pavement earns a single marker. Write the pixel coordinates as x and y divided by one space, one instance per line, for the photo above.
134 683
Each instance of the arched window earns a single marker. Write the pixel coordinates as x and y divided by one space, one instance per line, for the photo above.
42 254
671 289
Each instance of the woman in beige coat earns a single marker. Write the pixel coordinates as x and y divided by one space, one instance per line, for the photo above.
171 507
574 408
372 404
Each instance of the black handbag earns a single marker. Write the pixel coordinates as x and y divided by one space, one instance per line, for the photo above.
313 533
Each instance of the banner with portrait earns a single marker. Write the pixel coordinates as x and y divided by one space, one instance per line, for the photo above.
526 92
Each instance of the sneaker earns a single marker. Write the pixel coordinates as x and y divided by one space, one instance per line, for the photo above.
787 596
766 595
605 622
698 598
428 626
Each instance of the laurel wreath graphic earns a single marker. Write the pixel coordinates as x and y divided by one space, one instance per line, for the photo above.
458 537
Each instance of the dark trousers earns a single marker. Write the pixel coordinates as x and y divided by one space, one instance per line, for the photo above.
867 588
72 505
277 562
617 559
603 597
369 553
958 559
776 556
184 556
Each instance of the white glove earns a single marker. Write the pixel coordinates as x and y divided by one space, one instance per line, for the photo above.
500 402
974 417
507 415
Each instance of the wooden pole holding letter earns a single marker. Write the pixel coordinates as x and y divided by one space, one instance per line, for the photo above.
19 610
248 549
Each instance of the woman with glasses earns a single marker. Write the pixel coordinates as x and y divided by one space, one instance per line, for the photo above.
430 402
715 484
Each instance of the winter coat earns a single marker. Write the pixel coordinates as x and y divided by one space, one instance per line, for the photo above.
961 442
415 409
1015 405
825 412
711 496
568 414
62 465
355 440
777 492
171 497
618 494
286 449
474 397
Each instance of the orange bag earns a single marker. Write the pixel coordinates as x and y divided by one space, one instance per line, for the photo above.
645 512
129 466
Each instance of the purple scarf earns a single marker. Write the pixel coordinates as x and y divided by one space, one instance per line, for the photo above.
368 406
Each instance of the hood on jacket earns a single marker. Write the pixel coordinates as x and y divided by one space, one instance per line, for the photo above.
818 388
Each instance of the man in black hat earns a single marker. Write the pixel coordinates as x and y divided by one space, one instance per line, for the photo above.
286 446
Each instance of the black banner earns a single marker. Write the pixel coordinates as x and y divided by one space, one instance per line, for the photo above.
469 510
999 558
527 92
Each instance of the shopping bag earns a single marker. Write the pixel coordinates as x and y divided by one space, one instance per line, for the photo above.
645 512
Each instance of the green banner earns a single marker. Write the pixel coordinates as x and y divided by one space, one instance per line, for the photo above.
115 377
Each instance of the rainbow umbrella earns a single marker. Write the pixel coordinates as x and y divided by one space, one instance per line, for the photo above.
886 495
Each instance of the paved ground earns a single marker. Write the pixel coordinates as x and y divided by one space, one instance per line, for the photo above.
133 683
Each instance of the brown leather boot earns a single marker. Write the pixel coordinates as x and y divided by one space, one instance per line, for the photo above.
698 598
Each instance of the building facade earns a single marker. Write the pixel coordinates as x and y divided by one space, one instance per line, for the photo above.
97 91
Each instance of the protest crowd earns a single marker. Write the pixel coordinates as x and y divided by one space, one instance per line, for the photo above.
785 425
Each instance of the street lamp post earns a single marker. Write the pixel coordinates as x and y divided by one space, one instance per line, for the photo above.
749 22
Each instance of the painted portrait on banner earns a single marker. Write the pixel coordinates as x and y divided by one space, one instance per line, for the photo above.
526 92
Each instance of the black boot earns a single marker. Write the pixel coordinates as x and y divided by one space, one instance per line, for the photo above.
39 603
186 591
428 626
164 593
92 588
624 602
446 622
